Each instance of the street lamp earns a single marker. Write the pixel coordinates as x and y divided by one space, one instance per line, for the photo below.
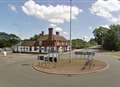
70 55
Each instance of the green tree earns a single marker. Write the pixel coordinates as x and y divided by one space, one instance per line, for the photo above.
79 43
35 37
112 38
13 39
108 38
99 34
92 42
8 40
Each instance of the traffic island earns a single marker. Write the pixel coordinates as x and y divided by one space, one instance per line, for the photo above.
75 67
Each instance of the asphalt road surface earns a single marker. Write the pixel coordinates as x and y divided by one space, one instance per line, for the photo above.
19 73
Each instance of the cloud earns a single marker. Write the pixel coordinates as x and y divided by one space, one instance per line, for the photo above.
90 28
86 38
53 14
65 33
106 9
58 29
12 7
105 26
53 25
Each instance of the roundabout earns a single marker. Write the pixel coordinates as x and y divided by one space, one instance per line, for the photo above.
64 67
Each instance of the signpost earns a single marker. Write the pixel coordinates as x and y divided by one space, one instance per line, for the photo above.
88 56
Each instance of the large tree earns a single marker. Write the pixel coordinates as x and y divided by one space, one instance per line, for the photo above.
112 38
8 40
109 38
99 34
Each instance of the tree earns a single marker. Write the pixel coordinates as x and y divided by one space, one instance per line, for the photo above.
108 38
92 42
112 38
99 34
35 37
13 39
8 40
79 43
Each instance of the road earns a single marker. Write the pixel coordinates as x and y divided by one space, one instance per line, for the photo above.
19 73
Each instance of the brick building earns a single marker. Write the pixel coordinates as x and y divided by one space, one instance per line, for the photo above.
45 43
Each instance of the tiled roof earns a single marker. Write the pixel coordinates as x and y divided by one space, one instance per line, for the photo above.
28 43
54 37
42 38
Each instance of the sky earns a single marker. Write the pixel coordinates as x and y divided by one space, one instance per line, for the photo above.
26 18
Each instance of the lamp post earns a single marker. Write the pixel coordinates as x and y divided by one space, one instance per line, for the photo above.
70 55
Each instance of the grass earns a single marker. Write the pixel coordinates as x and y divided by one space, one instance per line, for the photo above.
65 62
116 53
64 67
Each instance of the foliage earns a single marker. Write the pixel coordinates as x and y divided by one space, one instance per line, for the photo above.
79 43
7 40
92 42
99 34
35 37
110 39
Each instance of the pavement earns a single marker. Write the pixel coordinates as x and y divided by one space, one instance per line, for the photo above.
19 73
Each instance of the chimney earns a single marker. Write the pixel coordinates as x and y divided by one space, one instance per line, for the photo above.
42 33
57 33
50 33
